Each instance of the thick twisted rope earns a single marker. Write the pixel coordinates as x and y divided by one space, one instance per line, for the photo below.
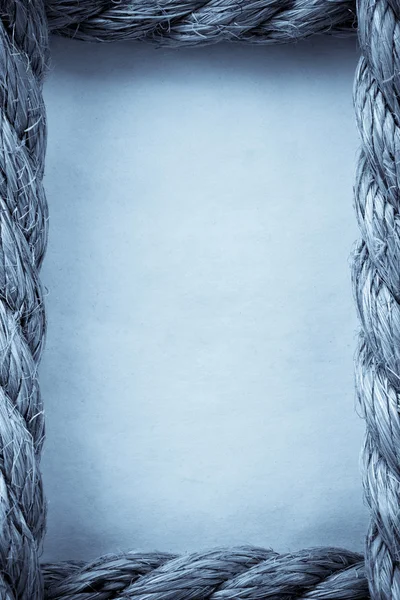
376 275
23 235
192 22
238 573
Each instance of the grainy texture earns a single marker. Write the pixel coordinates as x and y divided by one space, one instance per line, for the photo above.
200 22
23 236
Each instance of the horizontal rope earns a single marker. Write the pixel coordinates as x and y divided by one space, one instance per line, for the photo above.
243 573
199 22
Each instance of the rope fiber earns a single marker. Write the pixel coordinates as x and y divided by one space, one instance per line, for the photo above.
192 22
243 573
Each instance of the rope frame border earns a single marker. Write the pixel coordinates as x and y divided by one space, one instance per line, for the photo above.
243 572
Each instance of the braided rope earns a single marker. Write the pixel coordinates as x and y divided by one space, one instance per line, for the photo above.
240 573
221 574
192 22
376 275
23 236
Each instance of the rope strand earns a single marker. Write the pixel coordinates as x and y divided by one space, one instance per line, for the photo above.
23 237
376 277
244 573
199 22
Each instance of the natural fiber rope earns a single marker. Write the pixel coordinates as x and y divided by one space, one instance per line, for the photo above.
222 574
23 237
376 275
191 22
238 573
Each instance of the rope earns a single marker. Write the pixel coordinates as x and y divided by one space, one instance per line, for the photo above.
23 236
221 574
238 573
376 276
192 22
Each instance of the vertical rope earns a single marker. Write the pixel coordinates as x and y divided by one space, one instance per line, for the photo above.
376 276
23 235
239 573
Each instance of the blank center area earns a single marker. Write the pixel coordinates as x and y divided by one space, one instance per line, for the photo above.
198 373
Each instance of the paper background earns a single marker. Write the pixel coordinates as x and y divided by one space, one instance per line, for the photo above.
198 376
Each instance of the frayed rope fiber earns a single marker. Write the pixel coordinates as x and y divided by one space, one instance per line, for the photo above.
243 573
192 22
